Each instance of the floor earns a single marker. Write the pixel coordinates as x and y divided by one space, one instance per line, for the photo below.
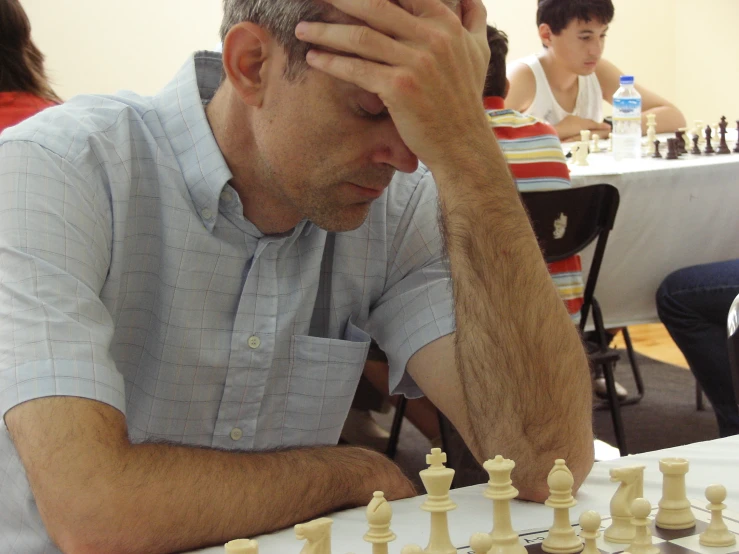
654 341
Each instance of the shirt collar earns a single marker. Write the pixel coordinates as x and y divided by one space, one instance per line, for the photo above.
494 103
180 109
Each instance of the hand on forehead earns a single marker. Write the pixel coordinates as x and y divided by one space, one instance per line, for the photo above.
335 15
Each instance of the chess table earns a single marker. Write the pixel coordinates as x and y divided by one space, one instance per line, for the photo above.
710 462
672 214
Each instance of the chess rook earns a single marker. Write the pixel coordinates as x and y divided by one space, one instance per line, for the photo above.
437 480
674 507
562 538
501 491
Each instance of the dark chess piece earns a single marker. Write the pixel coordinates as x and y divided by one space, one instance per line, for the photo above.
656 149
736 148
696 149
709 149
671 149
723 148
681 144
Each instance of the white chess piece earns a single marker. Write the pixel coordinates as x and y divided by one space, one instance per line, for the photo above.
651 133
501 491
610 142
241 546
596 143
412 549
632 486
642 543
699 131
589 525
379 514
581 156
561 538
717 533
481 543
437 480
674 507
318 535
585 137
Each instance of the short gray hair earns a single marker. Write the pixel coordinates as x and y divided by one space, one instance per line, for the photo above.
280 17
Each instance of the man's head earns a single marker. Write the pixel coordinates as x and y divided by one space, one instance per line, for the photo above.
301 144
574 31
496 83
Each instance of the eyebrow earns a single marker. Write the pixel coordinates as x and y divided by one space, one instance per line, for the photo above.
591 32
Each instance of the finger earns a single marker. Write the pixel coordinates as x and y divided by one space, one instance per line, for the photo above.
385 16
365 74
474 16
360 40
425 8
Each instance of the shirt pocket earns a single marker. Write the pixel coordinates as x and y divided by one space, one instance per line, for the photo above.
324 374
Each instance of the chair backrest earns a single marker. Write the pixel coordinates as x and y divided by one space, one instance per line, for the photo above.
732 327
567 221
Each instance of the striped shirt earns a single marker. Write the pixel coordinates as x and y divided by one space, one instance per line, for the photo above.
534 154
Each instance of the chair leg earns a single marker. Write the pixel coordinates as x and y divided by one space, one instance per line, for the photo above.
392 442
634 367
699 397
618 425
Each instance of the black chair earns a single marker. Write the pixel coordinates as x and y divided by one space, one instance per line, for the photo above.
732 328
566 222
584 215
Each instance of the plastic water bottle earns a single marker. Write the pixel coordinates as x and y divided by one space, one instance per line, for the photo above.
626 120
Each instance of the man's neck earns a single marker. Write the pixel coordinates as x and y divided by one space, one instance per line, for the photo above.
232 129
560 78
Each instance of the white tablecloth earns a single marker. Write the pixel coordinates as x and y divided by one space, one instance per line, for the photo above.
672 214
710 462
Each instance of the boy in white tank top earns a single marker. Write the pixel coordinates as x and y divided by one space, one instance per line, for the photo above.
566 83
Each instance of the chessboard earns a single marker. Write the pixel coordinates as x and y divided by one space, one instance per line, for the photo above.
669 542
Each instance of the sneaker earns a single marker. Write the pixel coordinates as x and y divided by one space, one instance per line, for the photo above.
361 429
600 390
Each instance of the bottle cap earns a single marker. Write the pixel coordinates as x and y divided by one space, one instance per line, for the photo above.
627 79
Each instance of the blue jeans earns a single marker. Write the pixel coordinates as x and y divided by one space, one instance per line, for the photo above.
693 303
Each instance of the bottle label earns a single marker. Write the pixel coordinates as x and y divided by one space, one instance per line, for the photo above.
627 105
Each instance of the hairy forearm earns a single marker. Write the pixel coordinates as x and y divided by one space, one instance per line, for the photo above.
520 359
158 498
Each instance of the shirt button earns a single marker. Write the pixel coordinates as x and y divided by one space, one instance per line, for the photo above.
254 342
207 214
236 433
226 196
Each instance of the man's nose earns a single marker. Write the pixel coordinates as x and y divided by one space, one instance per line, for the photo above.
393 151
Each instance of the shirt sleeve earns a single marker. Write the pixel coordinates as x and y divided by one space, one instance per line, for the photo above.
55 248
416 307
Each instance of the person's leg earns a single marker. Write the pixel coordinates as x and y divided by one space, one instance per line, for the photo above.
693 303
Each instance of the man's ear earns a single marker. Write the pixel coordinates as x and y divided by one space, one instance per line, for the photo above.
246 52
545 34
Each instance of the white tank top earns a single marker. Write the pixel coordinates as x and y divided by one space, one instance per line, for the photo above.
589 104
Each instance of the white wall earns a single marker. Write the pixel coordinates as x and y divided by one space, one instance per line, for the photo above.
682 49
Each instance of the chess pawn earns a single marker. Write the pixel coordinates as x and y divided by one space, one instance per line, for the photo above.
437 480
504 540
651 132
412 549
241 546
379 514
657 153
596 143
717 533
589 525
642 543
481 543
674 507
561 538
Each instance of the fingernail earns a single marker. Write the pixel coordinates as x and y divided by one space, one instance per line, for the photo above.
300 29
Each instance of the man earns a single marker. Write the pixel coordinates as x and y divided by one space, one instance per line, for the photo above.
188 293
566 83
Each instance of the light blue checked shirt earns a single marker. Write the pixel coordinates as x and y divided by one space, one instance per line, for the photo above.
129 275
